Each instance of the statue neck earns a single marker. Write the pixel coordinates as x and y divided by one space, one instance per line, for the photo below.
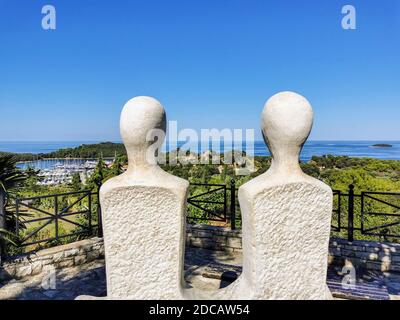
138 160
286 163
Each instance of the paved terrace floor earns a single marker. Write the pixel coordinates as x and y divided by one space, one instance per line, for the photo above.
205 269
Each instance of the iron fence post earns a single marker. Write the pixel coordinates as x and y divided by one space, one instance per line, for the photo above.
339 211
56 217
233 205
225 201
90 212
362 212
350 236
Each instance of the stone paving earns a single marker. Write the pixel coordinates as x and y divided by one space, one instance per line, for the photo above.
205 269
89 279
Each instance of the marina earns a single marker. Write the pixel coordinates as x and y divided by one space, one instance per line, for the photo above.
59 171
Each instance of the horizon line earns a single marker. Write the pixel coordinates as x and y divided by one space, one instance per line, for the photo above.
256 140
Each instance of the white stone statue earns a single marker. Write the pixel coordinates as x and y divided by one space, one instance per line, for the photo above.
286 214
143 213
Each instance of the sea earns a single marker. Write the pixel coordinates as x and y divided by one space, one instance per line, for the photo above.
311 148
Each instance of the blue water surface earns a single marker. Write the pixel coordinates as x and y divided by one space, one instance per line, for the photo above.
311 148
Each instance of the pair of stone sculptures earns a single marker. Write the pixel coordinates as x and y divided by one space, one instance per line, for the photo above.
286 216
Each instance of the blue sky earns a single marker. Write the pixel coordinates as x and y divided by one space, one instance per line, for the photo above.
212 63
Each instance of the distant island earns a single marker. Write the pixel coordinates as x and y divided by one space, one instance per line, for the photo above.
109 149
381 145
86 151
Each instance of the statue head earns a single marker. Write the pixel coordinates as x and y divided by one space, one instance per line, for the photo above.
286 123
142 122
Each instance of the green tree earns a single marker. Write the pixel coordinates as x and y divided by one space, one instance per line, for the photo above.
76 183
10 179
10 176
32 179
98 176
117 166
310 169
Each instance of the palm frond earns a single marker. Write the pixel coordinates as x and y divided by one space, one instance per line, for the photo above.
10 178
7 236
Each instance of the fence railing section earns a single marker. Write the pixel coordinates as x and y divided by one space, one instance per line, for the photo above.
207 202
214 203
51 218
365 215
336 218
374 222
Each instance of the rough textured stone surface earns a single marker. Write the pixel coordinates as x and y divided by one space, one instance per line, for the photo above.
59 257
214 238
369 255
69 283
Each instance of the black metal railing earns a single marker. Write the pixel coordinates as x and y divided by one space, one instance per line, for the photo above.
51 218
363 216
354 215
212 203
336 218
366 215
207 202
390 219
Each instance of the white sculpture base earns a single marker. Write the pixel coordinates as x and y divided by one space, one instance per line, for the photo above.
285 239
144 236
